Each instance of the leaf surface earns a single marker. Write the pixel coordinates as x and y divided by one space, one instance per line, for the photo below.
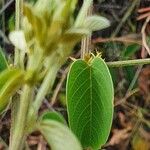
53 116
74 35
3 62
10 81
94 23
58 136
82 13
90 101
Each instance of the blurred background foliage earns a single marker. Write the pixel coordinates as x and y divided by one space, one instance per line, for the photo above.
121 41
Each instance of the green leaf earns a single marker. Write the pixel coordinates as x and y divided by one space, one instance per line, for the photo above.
94 23
3 62
74 35
45 8
90 97
53 116
37 22
73 5
10 81
130 50
58 136
11 22
83 13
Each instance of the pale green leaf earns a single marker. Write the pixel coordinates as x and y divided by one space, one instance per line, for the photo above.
45 9
53 116
74 35
43 6
37 21
90 101
73 5
10 81
94 23
58 136
3 62
83 13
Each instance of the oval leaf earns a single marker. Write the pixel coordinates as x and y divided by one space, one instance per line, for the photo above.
74 35
90 101
58 136
94 23
3 62
10 81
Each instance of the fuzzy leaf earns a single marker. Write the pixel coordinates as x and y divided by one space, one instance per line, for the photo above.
37 22
10 81
45 9
94 23
90 101
58 136
83 13
53 116
3 62
46 6
18 40
73 5
74 35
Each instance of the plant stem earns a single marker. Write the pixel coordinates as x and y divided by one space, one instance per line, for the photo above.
129 62
19 9
18 135
58 87
3 22
16 101
123 39
86 41
46 86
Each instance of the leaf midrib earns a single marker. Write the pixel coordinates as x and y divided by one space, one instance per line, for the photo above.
90 101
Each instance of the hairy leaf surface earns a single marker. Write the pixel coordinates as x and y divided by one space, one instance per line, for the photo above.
90 101
10 81
58 136
94 23
53 116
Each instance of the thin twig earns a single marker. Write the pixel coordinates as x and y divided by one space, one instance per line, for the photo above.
5 39
143 16
124 39
6 6
130 92
125 17
128 95
129 62
3 143
58 87
144 35
3 22
142 10
135 78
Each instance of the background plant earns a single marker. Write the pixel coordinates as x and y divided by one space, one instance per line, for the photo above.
49 33
111 51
